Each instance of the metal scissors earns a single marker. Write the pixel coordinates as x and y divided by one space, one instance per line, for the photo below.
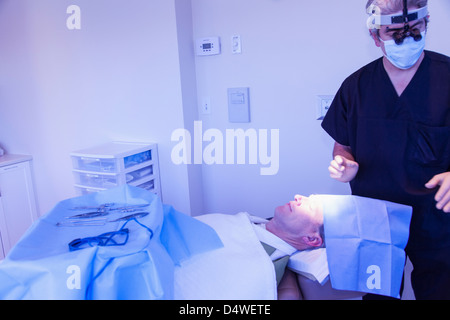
130 216
104 210
100 207
101 221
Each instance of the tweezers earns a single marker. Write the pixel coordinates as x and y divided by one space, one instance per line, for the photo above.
104 210
99 222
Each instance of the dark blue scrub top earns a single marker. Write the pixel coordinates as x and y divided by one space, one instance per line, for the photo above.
401 142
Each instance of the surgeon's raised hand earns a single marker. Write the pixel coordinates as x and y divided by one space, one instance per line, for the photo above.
343 169
442 196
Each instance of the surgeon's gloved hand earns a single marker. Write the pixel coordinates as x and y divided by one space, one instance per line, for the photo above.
443 194
343 169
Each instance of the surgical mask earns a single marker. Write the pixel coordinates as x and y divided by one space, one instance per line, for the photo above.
405 55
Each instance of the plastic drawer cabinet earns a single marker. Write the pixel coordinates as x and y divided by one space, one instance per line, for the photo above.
116 163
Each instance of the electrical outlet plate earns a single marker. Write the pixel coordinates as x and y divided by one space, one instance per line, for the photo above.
323 104
206 105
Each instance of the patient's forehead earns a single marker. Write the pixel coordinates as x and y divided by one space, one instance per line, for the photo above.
316 207
314 197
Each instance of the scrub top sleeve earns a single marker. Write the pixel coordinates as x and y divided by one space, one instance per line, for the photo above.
335 122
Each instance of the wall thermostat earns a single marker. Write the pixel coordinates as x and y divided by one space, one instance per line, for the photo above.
207 46
238 105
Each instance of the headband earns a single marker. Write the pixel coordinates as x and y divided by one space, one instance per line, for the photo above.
405 17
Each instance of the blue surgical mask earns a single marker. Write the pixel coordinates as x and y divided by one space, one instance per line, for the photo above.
405 55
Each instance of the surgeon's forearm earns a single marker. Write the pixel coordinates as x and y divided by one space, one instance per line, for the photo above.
344 151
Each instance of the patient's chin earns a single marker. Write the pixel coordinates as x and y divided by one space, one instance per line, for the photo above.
276 212
280 210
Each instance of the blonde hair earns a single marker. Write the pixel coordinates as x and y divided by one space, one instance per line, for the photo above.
387 7
393 6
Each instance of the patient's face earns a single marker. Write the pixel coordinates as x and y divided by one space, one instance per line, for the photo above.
297 208
299 213
301 216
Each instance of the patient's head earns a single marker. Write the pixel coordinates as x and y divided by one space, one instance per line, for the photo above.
299 222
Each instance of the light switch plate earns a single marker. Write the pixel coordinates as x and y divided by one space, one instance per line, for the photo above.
236 44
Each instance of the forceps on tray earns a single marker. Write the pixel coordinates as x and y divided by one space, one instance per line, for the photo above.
87 218
99 222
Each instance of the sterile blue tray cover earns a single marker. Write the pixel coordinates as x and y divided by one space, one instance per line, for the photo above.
365 241
40 266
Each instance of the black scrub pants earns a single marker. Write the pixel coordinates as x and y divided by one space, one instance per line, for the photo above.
430 278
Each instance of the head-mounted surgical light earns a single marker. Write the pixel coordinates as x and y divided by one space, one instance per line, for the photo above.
407 16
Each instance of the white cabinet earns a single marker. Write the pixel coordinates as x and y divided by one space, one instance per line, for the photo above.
17 200
116 163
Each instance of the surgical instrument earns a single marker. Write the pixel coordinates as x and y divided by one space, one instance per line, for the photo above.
105 209
99 222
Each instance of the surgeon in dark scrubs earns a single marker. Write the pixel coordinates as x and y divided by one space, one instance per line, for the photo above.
391 124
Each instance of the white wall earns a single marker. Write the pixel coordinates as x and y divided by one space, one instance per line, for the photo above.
130 74
292 51
290 54
118 78
189 95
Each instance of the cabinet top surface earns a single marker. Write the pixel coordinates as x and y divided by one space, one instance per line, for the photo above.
9 159
113 149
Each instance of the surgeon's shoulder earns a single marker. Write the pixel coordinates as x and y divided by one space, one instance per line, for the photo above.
439 59
361 75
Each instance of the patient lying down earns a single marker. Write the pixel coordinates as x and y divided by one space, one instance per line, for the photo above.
240 269
299 223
